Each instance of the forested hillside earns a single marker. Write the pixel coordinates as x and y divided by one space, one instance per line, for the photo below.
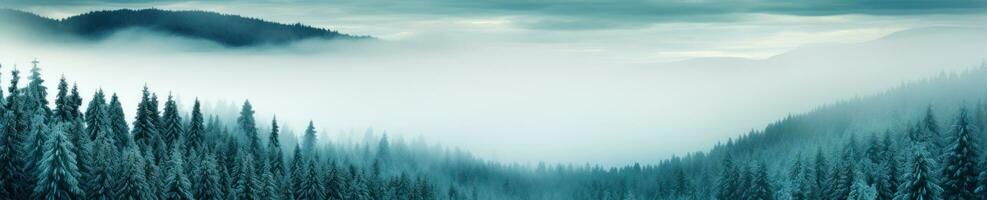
227 30
919 141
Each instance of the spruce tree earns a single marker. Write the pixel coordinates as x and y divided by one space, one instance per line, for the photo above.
760 187
248 127
100 184
118 123
145 124
12 140
57 173
298 173
38 133
62 108
97 117
247 185
887 186
36 94
862 191
311 186
959 175
177 185
210 187
728 184
171 123
845 174
133 183
918 184
196 129
309 140
269 185
275 156
821 169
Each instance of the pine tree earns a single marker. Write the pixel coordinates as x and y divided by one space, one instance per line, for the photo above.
800 182
196 129
58 176
760 187
13 143
177 185
153 173
309 140
918 184
311 185
36 94
929 134
62 111
171 123
118 123
269 186
39 131
247 185
845 175
298 173
210 187
959 175
275 156
383 150
682 185
821 169
145 124
101 180
862 191
248 127
887 186
97 117
728 184
133 184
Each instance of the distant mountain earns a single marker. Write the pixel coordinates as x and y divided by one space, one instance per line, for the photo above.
228 30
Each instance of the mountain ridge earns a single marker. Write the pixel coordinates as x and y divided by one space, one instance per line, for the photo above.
225 29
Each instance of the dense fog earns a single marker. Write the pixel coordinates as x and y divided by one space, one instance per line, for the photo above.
507 101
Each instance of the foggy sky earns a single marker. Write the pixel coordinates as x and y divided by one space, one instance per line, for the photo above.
496 80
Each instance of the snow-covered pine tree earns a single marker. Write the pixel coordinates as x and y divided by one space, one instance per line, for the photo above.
247 185
760 187
57 173
887 185
311 186
118 123
275 155
38 133
132 183
309 140
97 117
297 173
728 183
11 140
800 182
177 185
145 124
153 173
248 127
100 184
862 191
210 187
269 186
821 170
845 174
196 129
62 111
961 166
171 123
918 184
